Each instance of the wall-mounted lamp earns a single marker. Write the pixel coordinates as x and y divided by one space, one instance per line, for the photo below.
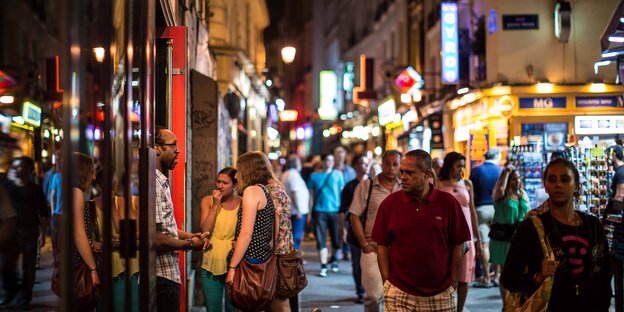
288 54
100 53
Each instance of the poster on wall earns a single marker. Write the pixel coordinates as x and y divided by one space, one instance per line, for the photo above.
478 143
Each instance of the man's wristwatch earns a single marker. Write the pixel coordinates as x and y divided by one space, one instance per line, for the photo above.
189 244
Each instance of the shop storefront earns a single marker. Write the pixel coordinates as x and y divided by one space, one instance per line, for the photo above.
546 116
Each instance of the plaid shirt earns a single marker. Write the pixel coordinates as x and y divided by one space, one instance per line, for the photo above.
166 262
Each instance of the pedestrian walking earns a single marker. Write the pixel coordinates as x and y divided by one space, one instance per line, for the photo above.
420 233
368 196
576 275
28 200
452 180
325 187
483 178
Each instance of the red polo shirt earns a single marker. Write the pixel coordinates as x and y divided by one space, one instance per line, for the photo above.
421 237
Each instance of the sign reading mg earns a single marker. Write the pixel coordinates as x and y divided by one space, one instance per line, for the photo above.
544 103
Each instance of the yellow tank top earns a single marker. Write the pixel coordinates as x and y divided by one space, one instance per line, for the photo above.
215 260
118 263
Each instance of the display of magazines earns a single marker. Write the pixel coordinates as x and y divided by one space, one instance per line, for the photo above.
529 163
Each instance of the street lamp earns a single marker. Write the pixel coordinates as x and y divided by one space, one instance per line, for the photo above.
288 54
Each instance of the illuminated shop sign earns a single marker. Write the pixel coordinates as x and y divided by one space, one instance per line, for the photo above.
387 112
409 81
543 102
31 114
329 90
450 43
348 80
604 101
599 124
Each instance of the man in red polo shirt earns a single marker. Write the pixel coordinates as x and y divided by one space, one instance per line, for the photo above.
420 232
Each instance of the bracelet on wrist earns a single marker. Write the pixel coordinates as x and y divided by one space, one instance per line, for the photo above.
364 246
231 267
94 269
189 244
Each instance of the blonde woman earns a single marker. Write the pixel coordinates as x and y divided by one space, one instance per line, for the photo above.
254 228
219 215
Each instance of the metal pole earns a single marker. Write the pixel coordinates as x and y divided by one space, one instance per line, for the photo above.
126 111
105 71
147 226
72 75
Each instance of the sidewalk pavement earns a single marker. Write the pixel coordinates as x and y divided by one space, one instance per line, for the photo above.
336 292
44 300
332 293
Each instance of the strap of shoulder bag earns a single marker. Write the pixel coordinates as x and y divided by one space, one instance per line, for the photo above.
365 213
544 242
268 197
324 183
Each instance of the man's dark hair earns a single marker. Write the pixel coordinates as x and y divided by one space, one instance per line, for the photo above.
390 153
449 161
339 146
292 161
27 162
324 156
424 159
158 136
356 158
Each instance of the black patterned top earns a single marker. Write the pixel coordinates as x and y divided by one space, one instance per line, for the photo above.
91 229
262 234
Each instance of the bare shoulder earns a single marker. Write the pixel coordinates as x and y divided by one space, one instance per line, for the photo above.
206 199
468 183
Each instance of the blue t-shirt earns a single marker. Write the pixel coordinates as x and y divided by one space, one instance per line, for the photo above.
56 185
483 179
47 180
326 194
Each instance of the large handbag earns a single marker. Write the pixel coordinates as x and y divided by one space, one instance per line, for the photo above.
85 295
351 238
538 301
291 276
502 232
254 285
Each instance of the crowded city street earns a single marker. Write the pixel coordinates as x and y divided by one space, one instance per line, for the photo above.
312 155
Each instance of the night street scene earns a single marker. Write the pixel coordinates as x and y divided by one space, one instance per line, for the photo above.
312 155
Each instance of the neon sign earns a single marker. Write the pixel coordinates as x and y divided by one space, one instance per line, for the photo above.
450 43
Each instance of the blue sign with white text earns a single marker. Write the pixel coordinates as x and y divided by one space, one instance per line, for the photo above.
450 43
542 102
520 22
599 101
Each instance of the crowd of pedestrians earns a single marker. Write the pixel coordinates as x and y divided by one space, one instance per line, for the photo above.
406 206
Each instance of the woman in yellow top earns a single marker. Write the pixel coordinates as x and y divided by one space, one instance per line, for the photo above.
219 215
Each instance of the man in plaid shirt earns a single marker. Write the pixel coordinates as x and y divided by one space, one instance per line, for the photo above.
169 239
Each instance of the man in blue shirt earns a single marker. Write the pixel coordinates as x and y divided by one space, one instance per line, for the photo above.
484 178
325 187
55 200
